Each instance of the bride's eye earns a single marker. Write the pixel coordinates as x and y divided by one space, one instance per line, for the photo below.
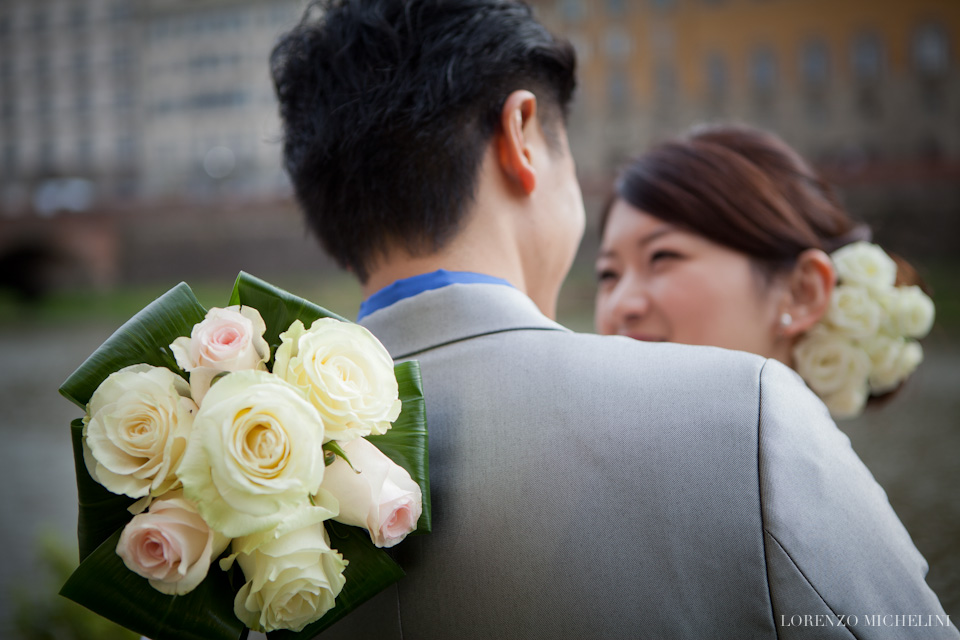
664 254
606 275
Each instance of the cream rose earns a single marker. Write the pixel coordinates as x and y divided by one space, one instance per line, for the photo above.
170 545
347 373
829 362
863 263
292 580
136 429
227 339
893 360
854 311
255 454
376 494
911 312
847 402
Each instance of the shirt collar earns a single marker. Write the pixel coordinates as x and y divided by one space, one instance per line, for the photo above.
408 287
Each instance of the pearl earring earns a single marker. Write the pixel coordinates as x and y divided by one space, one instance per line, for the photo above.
786 320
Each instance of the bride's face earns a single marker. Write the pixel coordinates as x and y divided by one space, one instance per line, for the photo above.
658 282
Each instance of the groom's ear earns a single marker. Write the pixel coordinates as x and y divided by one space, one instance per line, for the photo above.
811 285
518 124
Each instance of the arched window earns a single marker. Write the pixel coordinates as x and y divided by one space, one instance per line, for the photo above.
815 63
931 50
718 77
867 57
763 69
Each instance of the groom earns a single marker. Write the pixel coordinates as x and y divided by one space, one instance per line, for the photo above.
583 486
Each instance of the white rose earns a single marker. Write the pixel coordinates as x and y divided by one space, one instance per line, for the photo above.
911 312
865 264
171 545
854 311
829 362
292 580
847 402
255 453
894 359
228 339
347 373
136 429
376 494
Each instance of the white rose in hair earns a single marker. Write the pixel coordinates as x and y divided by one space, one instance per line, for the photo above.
854 312
829 363
227 339
912 312
255 454
847 402
893 360
864 264
136 430
376 494
347 373
171 545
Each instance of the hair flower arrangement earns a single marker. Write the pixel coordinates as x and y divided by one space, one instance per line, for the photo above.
866 343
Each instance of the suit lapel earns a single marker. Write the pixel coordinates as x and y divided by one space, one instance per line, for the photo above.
454 313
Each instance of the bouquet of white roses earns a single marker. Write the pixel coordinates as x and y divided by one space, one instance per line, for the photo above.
240 468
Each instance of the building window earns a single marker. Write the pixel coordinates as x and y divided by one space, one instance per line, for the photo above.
84 151
616 7
46 155
815 63
617 44
763 70
867 57
718 76
121 58
78 16
40 20
763 81
10 159
931 50
665 81
572 10
126 148
618 89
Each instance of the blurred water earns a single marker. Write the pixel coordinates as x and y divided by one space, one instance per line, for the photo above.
911 446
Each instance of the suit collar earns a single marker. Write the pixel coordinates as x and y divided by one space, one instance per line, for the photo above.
451 314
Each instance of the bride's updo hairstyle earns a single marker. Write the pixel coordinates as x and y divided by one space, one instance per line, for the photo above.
747 190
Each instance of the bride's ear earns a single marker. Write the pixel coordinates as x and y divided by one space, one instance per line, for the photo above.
810 284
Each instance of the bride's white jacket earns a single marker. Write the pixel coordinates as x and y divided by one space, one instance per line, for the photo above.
591 487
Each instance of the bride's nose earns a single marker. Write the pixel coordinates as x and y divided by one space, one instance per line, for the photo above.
629 301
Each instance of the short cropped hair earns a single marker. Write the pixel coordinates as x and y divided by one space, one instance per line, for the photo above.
388 107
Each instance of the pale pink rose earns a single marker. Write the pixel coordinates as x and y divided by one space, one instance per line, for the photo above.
170 545
228 339
376 494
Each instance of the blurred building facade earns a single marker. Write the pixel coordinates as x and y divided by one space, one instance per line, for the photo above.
139 100
868 90
114 106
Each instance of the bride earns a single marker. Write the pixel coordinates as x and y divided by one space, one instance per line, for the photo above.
726 237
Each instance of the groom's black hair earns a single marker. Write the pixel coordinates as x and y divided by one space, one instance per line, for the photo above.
389 105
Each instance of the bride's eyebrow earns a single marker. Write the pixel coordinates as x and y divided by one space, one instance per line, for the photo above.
656 233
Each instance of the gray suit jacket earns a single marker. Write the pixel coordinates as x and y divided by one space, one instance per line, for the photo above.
599 487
